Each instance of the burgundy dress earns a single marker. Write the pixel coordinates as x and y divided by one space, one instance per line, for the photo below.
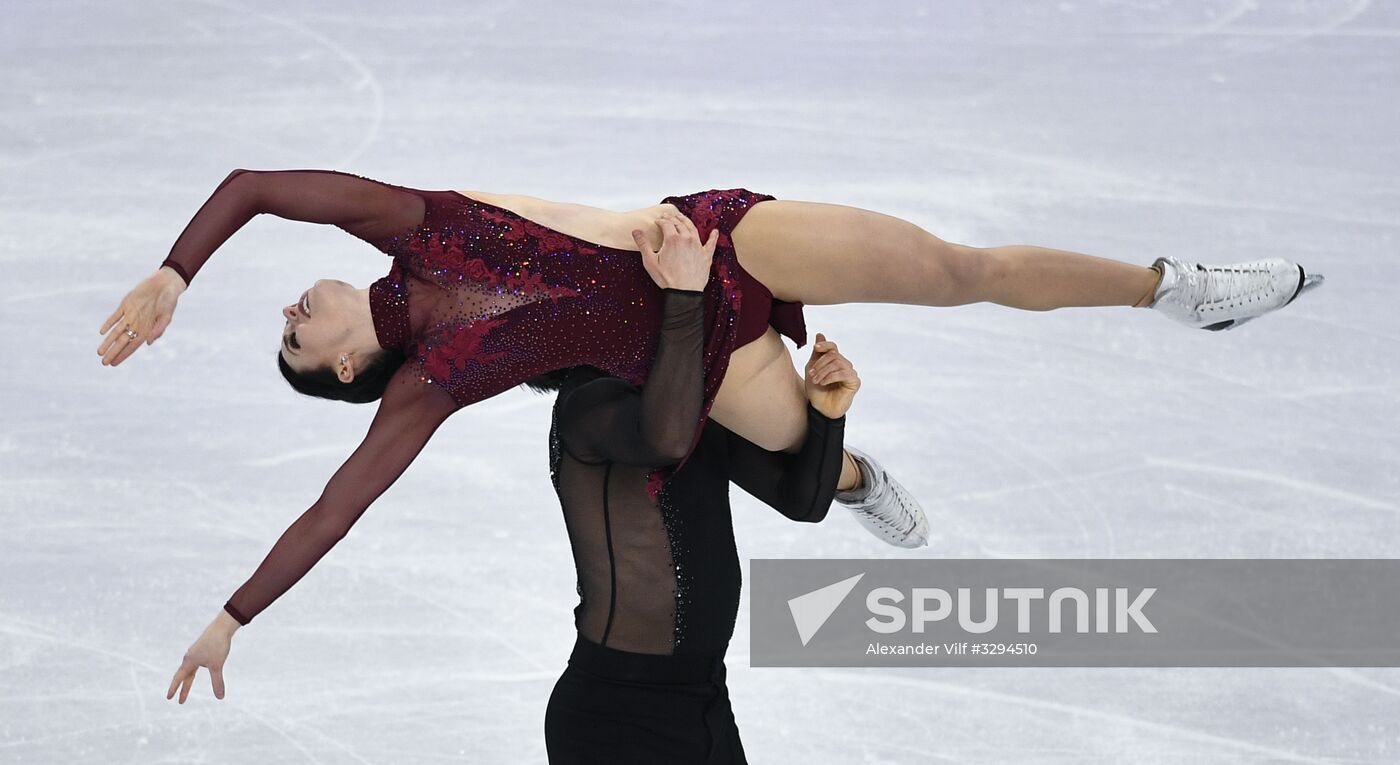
480 300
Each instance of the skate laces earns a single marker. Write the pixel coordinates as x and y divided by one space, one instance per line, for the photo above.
905 521
1231 284
1223 286
1234 285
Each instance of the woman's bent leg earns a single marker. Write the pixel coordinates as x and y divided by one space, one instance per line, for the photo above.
821 254
762 398
764 401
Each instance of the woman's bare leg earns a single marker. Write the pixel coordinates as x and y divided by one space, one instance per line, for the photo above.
763 400
821 253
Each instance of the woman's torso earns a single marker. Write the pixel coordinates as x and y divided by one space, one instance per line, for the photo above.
491 290
494 289
591 224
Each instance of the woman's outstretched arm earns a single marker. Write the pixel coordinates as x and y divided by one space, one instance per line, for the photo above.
370 210
408 416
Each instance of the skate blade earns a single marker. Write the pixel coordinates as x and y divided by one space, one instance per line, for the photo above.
1307 282
1227 324
1311 281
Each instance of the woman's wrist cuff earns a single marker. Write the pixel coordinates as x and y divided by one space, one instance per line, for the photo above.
238 617
178 269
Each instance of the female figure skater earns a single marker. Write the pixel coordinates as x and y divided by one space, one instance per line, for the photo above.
659 577
483 295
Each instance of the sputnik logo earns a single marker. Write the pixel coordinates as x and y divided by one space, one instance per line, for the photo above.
810 611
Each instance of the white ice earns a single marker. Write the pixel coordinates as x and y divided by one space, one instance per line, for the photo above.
137 498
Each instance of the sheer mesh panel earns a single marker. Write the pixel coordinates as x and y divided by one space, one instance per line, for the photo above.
626 578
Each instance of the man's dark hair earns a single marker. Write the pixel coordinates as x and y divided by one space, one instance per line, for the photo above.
552 381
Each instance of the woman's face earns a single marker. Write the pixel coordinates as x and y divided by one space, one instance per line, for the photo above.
318 325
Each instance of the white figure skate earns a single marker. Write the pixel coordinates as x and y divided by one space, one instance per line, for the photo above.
883 506
1224 297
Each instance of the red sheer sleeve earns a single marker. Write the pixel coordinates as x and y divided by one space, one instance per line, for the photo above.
408 415
370 210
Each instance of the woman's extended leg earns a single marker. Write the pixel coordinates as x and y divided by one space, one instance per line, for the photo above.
821 253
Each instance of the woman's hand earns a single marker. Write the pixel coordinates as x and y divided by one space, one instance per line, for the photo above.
145 312
210 650
682 262
831 380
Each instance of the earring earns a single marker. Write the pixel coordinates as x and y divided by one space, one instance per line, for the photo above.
344 359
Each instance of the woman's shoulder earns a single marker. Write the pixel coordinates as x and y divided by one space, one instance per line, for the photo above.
409 387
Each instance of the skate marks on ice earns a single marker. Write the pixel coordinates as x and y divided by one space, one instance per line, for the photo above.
1074 492
148 682
1046 474
366 81
1346 13
1292 484
295 455
1221 22
964 695
1224 26
1072 174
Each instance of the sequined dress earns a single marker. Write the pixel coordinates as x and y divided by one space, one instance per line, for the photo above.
480 300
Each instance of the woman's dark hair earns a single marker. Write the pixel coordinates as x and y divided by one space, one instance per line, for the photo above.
552 381
370 382
368 385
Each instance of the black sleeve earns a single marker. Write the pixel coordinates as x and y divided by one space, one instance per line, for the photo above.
801 486
370 210
609 420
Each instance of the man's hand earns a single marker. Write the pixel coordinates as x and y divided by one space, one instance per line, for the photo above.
831 380
683 262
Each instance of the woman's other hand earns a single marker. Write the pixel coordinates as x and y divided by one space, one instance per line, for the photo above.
682 262
145 311
209 651
831 381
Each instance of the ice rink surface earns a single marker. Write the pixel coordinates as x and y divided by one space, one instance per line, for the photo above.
136 499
